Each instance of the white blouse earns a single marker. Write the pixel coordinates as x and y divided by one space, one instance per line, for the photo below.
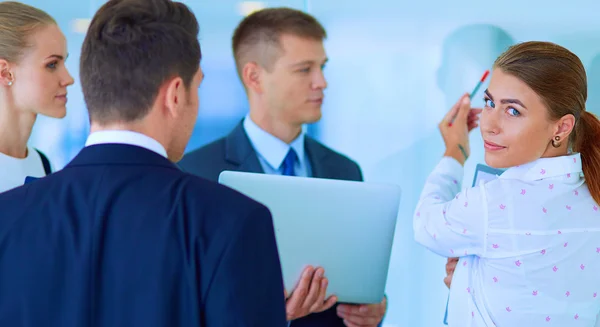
13 171
528 242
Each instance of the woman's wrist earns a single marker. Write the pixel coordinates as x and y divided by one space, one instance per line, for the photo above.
457 153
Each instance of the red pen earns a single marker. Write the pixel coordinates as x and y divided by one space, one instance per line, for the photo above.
483 78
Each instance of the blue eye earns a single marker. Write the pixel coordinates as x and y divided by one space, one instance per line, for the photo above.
51 65
305 70
489 103
513 112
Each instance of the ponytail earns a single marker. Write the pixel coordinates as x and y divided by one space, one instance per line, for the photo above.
587 143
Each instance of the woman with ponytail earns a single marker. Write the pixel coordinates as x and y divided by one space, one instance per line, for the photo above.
528 241
33 81
587 142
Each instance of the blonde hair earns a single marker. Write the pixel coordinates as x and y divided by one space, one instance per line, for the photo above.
17 22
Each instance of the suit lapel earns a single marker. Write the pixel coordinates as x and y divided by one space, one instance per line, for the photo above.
239 151
318 159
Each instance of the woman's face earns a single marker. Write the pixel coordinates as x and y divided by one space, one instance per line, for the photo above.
40 79
516 125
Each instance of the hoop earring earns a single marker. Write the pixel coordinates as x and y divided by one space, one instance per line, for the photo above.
555 141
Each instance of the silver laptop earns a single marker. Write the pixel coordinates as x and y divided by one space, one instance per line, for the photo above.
345 227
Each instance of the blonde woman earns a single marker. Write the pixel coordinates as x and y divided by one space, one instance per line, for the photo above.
33 80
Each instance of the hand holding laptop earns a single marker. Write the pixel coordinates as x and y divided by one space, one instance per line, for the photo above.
366 315
309 296
353 217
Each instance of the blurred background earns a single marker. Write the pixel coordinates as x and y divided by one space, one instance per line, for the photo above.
395 68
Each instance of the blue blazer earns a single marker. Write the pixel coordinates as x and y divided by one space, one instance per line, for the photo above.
123 238
235 152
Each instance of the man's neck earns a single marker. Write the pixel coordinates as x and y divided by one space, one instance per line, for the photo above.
140 128
283 131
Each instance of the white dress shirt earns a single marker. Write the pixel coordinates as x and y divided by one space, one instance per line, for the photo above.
528 242
126 137
271 151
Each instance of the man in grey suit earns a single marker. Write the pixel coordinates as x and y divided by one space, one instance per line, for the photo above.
280 58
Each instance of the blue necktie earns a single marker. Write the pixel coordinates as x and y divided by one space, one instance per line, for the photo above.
288 163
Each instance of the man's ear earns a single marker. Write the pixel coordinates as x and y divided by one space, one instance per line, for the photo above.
175 95
252 76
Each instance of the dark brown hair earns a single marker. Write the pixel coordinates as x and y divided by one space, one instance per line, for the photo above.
131 48
257 37
558 77
17 22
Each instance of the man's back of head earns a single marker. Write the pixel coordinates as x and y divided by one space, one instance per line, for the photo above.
121 236
140 70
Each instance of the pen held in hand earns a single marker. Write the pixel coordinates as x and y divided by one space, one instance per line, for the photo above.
462 149
472 94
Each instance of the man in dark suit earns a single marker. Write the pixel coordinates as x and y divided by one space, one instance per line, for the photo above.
280 57
121 236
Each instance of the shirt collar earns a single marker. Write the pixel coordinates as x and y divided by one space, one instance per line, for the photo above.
272 149
546 168
126 137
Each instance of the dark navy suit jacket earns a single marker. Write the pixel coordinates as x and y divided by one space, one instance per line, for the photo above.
123 238
235 152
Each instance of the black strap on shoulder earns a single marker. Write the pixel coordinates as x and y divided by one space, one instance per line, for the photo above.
45 162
